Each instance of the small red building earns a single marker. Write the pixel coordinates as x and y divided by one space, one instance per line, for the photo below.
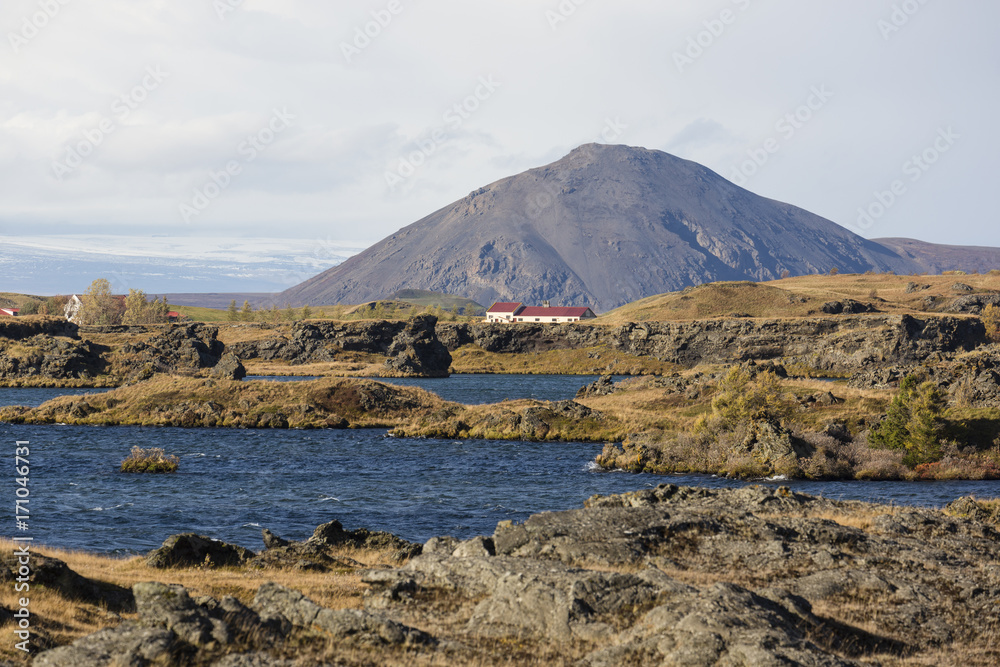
10 312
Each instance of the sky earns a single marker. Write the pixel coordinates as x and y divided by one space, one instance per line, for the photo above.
337 123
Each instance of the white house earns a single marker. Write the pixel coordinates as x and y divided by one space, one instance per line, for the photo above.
73 308
518 312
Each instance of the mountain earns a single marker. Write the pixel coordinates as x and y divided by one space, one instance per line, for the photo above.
938 258
603 226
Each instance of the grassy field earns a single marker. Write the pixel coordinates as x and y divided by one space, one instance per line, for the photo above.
801 296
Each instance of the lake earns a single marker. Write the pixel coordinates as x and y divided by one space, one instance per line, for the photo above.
232 483
478 389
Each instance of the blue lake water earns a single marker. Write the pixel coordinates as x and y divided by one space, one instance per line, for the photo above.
35 396
231 483
477 389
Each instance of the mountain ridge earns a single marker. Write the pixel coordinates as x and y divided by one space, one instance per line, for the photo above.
603 226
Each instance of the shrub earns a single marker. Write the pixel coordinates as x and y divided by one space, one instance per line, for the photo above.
913 423
991 320
744 397
149 460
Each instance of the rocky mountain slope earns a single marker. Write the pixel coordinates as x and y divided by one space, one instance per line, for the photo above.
603 226
937 258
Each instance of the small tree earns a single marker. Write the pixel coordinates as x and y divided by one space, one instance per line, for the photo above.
231 313
140 311
991 320
246 312
306 312
834 271
29 308
100 306
914 422
135 307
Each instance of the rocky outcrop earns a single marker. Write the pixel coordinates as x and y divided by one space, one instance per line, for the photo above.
185 347
229 368
602 386
174 628
44 356
55 575
972 303
844 343
416 351
695 576
317 552
413 347
663 576
20 328
191 550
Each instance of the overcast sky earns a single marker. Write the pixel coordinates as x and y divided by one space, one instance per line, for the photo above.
271 118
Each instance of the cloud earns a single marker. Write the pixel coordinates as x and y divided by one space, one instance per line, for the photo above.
563 81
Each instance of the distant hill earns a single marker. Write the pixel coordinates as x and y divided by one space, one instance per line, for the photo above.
805 296
603 226
938 258
450 302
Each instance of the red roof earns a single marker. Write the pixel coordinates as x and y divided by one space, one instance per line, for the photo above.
504 307
569 311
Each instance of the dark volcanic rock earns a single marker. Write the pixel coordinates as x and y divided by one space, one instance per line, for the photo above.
189 347
416 351
973 303
600 577
54 574
602 386
190 550
843 344
57 358
413 347
603 226
332 534
229 368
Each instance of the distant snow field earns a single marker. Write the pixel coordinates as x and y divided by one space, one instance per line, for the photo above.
66 264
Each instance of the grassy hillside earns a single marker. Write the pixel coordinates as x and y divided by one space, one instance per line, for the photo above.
450 302
803 296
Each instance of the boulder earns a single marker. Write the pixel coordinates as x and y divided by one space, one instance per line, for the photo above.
191 550
229 368
332 534
603 386
56 575
276 602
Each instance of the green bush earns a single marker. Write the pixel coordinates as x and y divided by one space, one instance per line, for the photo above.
149 460
914 422
744 397
991 320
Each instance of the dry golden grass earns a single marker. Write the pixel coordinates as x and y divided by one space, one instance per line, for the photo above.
586 361
796 297
64 620
180 401
351 367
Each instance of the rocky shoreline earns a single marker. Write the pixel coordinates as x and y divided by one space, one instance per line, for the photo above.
672 575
